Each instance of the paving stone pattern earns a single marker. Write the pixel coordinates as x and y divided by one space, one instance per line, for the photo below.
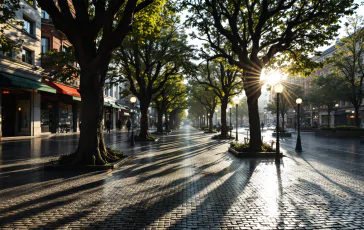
188 181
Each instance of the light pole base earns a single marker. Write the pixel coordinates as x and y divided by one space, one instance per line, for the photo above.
298 145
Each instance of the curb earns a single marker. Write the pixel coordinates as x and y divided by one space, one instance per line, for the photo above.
252 155
110 166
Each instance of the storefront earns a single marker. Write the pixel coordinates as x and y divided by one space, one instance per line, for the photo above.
61 112
111 111
20 105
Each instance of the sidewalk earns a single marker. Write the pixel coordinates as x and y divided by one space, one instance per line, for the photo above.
48 135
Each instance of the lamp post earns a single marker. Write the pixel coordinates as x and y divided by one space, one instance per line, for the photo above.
236 122
132 140
278 89
203 120
230 119
335 117
208 121
298 143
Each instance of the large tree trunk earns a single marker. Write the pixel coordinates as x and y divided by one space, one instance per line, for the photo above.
160 122
144 125
91 147
253 93
224 129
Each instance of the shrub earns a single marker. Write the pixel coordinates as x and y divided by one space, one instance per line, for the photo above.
244 147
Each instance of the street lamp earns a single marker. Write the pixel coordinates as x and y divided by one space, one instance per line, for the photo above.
203 120
132 140
208 115
230 119
298 143
278 89
336 106
236 123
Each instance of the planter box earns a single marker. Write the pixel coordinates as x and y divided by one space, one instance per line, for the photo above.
256 154
282 134
339 133
222 138
210 132
114 165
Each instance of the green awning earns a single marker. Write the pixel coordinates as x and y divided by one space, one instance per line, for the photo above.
76 98
116 106
111 105
9 80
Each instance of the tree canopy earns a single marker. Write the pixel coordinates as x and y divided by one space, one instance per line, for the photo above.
348 63
257 31
7 19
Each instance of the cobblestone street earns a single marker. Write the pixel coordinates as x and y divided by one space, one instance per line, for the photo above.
185 181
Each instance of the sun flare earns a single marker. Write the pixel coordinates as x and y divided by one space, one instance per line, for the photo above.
272 77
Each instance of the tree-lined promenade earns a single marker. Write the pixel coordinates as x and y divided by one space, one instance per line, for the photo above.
144 45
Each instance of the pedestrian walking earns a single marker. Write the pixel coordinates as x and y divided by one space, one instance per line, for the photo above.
118 125
128 125
262 125
108 126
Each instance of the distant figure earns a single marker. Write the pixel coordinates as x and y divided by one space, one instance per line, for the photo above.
262 125
108 126
118 125
128 125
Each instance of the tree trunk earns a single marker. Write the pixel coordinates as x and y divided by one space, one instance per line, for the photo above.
167 125
357 114
91 146
210 120
144 126
255 142
224 129
160 122
328 117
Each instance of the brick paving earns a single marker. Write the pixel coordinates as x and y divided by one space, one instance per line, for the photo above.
188 181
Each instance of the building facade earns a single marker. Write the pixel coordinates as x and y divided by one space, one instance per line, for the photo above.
20 76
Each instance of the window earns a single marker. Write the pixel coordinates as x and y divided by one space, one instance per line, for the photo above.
45 15
28 26
64 48
45 45
111 91
9 53
27 56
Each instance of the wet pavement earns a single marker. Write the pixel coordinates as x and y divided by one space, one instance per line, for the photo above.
186 181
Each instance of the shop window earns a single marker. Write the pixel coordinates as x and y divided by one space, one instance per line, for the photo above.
46 117
27 56
28 26
66 118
